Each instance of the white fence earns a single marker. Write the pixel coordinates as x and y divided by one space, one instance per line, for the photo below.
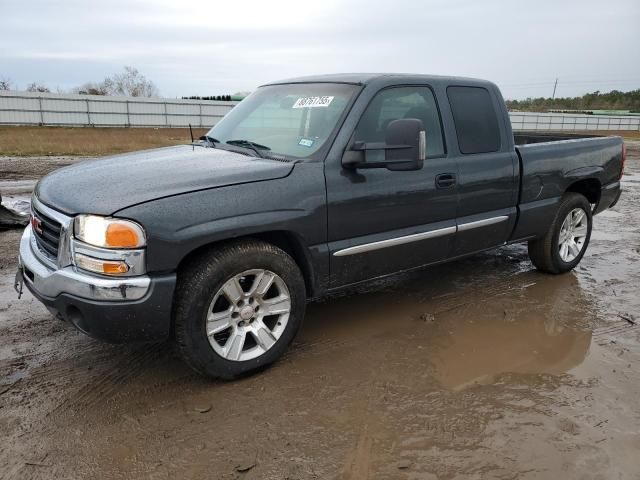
24 108
569 121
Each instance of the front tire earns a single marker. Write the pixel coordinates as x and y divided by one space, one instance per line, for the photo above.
566 241
238 307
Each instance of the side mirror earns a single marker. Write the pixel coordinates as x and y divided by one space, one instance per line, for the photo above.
404 148
410 133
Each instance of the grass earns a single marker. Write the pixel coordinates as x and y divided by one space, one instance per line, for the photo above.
88 141
31 141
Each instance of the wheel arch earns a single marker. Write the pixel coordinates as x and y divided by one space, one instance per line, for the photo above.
288 241
590 188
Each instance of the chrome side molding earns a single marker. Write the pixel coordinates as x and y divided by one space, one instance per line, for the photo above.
482 223
416 237
391 242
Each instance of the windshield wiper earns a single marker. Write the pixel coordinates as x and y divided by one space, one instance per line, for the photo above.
256 147
210 140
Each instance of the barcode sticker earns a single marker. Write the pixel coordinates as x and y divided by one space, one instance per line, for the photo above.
310 102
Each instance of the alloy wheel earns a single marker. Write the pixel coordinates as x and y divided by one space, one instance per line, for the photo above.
573 235
248 314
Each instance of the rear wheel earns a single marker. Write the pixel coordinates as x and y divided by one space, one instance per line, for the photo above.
566 241
238 308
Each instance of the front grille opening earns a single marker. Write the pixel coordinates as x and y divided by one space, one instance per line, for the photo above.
47 233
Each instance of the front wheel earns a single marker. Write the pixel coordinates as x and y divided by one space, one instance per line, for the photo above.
566 241
238 308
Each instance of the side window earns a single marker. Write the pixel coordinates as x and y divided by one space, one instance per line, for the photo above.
475 119
402 102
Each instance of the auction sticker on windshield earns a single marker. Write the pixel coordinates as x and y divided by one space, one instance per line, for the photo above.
309 102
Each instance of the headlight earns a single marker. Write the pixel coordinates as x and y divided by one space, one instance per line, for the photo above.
108 246
108 232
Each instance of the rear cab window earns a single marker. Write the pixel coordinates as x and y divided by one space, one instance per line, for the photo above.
475 119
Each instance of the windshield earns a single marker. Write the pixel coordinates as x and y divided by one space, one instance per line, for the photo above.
293 120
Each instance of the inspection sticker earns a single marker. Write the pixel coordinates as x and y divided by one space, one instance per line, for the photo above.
305 142
309 102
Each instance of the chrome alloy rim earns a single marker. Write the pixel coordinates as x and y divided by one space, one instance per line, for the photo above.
248 315
573 235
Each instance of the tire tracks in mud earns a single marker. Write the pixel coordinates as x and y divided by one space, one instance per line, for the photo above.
124 370
608 334
483 288
101 382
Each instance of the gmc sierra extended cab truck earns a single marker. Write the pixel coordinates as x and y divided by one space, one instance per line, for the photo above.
307 186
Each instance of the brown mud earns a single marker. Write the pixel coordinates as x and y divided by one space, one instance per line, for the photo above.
482 368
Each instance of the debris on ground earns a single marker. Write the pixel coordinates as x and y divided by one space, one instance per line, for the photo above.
15 216
202 408
628 318
245 466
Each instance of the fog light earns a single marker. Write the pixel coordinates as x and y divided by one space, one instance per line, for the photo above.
105 267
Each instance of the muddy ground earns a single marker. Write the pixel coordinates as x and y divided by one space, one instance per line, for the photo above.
483 368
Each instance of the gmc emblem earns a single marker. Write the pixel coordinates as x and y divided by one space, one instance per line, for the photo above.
36 224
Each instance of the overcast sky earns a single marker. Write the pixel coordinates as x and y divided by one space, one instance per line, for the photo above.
208 47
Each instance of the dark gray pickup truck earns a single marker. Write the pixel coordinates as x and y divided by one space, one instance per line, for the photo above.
307 186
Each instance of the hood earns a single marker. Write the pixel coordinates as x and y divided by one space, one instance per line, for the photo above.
104 186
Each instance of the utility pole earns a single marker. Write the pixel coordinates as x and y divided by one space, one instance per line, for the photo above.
555 85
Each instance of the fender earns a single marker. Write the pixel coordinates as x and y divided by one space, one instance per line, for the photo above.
294 206
584 173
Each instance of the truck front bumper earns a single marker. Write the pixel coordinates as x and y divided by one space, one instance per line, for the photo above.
112 309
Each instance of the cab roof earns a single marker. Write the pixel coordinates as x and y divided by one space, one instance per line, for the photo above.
366 78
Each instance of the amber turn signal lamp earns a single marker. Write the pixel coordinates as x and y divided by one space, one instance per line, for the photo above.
120 235
106 267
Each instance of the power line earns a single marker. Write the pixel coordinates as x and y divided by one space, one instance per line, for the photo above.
572 82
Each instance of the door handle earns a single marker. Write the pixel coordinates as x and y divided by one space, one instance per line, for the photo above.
445 180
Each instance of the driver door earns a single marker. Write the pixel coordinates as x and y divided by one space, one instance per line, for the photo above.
382 221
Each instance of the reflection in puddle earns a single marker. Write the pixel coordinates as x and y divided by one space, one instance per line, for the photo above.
461 331
475 351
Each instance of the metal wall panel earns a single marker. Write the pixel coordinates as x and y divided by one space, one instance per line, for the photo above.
183 120
108 106
65 118
136 106
567 122
63 105
24 117
183 109
100 119
26 108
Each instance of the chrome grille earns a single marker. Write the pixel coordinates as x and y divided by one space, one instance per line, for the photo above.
46 231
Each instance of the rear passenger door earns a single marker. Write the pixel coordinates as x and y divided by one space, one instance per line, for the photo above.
487 169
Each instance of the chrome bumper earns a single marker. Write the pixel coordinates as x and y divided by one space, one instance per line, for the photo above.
50 282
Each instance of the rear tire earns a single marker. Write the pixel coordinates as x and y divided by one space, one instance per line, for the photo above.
238 307
566 241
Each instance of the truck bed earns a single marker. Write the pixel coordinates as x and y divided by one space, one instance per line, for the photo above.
551 164
525 138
